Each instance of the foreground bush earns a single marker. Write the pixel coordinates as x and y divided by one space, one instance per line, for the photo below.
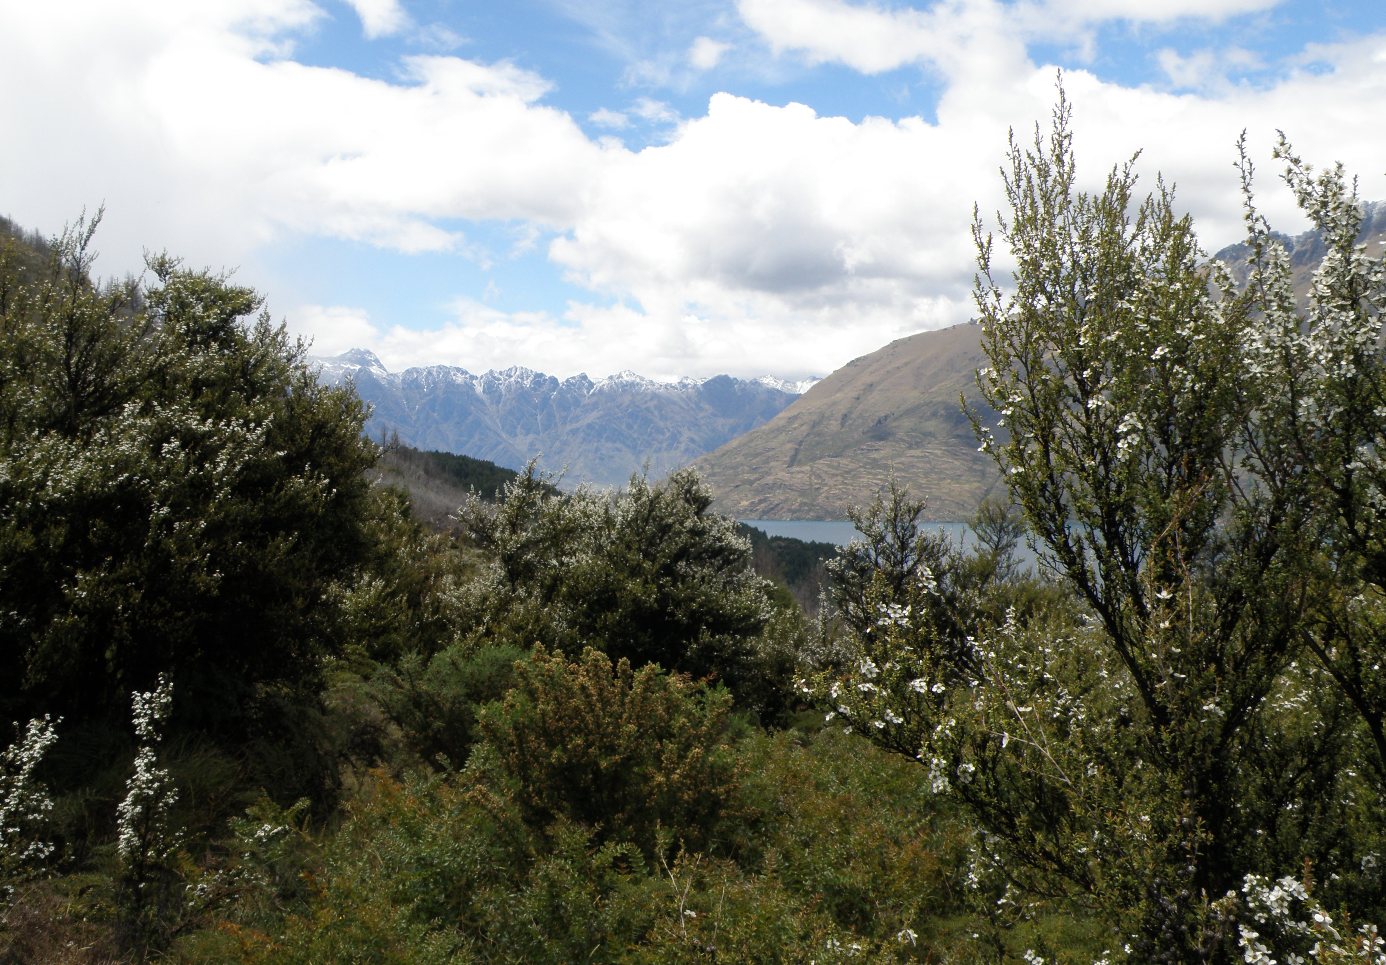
628 752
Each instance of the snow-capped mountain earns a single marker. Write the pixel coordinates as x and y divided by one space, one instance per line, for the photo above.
598 431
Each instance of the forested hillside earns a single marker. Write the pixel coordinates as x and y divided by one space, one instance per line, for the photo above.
264 713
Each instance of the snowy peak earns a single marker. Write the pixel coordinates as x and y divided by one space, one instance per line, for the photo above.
798 387
517 377
338 367
598 430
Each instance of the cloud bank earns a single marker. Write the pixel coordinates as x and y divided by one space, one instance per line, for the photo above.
755 237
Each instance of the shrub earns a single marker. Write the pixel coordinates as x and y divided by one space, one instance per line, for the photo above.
626 751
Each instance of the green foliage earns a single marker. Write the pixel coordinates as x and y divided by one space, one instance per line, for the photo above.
798 564
1136 752
1147 430
903 574
1331 423
177 493
626 751
444 870
837 822
832 856
436 701
646 574
403 598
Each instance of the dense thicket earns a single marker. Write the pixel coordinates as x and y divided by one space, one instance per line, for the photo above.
580 727
1196 464
177 492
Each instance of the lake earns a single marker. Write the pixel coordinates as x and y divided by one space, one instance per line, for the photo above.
840 531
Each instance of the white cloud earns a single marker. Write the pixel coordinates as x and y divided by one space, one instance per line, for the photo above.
756 237
956 36
1205 69
185 120
774 200
706 53
613 120
380 18
655 111
1144 11
333 329
438 37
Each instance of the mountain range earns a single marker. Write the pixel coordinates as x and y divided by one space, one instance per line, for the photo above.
592 431
768 451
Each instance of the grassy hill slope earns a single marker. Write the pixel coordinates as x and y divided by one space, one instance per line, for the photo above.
893 411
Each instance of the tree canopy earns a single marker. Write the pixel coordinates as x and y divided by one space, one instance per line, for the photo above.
1199 464
178 494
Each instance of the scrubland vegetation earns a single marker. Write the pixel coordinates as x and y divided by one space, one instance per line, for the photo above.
266 714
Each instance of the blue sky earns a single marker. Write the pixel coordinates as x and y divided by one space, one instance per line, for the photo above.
677 188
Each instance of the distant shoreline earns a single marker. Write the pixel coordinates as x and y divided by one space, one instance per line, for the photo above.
839 531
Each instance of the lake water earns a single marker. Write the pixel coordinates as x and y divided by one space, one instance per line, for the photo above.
839 531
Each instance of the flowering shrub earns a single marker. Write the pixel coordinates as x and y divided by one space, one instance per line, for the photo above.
24 806
646 573
146 842
1200 706
1281 921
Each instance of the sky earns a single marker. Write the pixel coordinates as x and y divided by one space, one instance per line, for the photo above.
672 187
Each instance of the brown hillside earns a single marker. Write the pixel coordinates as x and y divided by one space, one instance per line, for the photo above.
895 411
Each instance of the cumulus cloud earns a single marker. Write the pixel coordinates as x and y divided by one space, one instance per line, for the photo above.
333 329
957 37
753 236
202 136
380 18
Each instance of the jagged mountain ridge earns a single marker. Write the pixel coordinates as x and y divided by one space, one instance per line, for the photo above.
1306 250
598 431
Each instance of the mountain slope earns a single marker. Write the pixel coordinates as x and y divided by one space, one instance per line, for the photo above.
598 431
896 411
893 411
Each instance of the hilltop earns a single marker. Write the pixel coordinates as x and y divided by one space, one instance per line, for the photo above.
896 411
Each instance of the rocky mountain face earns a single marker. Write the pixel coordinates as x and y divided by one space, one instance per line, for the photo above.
596 432
895 411
1306 250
